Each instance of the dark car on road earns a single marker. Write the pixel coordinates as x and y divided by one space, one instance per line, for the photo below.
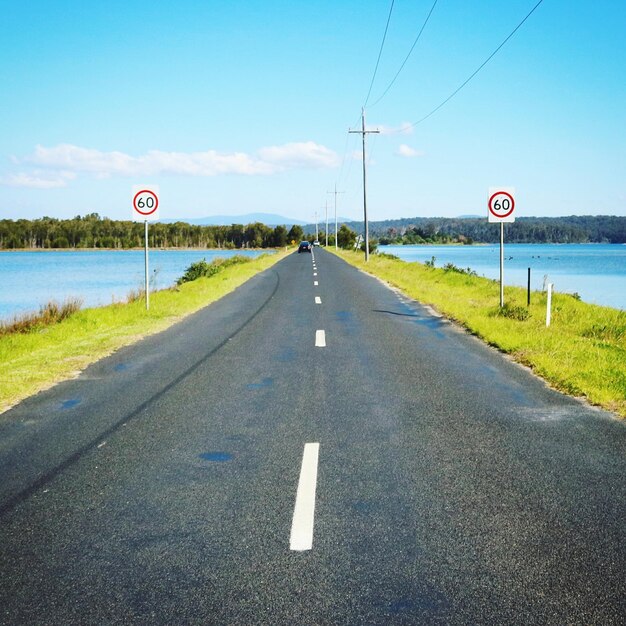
305 246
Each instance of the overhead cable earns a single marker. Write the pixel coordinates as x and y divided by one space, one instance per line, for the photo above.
380 52
408 55
478 70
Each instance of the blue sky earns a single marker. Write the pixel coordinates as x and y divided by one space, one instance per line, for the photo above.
243 107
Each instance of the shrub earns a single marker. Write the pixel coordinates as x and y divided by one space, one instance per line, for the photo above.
451 267
614 332
390 257
519 313
202 269
50 313
373 245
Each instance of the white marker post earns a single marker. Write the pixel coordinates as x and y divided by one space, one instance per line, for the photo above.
549 305
145 209
501 207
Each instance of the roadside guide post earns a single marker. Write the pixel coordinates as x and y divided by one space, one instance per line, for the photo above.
549 305
501 207
145 209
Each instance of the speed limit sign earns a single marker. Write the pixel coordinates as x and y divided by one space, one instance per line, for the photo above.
501 204
145 203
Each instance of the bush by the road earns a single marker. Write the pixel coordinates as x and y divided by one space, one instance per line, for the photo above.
202 269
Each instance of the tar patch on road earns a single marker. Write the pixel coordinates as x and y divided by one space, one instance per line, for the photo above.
70 404
216 457
266 382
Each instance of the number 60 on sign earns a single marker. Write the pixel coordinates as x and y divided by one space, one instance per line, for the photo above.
501 204
145 203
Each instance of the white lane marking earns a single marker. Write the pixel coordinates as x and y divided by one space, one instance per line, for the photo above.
315 283
314 273
304 511
320 339
318 300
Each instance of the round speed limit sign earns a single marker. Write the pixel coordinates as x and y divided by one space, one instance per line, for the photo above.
145 203
501 204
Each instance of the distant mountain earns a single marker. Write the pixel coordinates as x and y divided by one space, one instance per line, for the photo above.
269 219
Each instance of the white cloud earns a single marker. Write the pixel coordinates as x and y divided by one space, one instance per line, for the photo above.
36 180
406 128
66 161
408 152
306 154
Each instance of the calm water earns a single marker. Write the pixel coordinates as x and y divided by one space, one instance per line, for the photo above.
597 272
29 279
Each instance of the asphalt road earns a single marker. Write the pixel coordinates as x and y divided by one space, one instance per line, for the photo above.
172 483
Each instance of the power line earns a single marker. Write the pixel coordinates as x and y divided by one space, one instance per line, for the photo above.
380 52
479 68
408 55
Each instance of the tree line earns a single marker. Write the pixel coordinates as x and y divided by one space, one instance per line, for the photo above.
93 231
570 229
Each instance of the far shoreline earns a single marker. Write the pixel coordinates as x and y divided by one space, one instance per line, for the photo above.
138 249
455 244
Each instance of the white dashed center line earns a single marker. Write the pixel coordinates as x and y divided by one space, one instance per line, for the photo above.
320 339
304 511
318 300
315 283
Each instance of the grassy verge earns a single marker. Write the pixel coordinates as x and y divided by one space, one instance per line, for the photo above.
582 353
35 360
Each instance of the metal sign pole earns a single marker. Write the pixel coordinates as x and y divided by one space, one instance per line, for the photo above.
501 264
501 206
146 258
145 208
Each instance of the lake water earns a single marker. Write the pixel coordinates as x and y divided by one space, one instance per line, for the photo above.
597 272
99 277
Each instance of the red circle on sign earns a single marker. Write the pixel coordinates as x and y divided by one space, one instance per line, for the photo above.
153 209
509 196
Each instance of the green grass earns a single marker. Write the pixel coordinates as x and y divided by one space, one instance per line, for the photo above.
582 353
35 360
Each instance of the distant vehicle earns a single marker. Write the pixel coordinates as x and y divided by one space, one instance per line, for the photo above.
316 243
305 246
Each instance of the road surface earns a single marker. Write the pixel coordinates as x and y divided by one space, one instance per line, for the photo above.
312 449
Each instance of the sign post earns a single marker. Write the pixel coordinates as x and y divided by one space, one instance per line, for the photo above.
501 207
146 208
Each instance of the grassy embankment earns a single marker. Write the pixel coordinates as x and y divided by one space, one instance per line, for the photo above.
582 353
34 360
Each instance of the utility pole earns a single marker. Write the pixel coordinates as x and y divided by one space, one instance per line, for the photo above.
335 192
326 207
367 232
316 234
